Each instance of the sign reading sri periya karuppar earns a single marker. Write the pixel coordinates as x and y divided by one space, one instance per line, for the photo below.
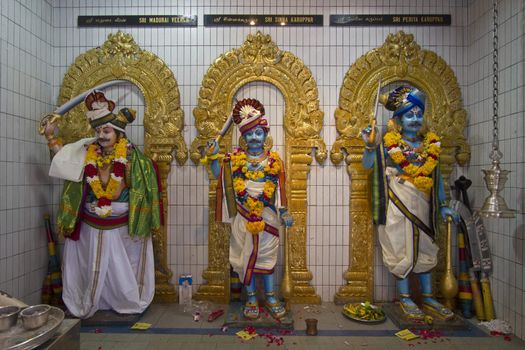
389 20
138 21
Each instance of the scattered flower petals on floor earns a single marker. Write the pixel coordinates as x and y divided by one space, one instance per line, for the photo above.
272 339
270 335
429 334
506 337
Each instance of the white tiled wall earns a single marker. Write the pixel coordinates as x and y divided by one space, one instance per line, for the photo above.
26 89
328 52
506 236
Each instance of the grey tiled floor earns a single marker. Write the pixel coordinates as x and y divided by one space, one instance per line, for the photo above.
172 320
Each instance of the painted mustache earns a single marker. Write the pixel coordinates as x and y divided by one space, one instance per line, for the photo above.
414 124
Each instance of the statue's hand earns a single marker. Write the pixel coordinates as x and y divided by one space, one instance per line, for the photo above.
213 147
212 156
446 211
286 217
369 137
48 125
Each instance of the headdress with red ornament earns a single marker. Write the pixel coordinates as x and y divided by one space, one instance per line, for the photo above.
100 112
248 114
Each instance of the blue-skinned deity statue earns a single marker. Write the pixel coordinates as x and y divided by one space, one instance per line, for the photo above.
408 197
251 197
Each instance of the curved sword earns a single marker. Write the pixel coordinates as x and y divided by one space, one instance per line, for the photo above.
224 130
66 107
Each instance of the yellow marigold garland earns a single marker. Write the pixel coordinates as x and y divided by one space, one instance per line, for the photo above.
254 224
420 174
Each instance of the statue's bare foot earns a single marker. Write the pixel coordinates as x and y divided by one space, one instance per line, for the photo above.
410 309
251 310
274 306
437 309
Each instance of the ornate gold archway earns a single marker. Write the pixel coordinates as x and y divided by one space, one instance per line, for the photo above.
259 59
399 59
121 58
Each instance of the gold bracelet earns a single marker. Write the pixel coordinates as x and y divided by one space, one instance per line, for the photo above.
206 159
215 156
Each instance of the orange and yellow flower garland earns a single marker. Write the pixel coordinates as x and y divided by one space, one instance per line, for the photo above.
255 223
93 160
419 174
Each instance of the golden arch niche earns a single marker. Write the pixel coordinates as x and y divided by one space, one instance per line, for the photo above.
121 58
259 59
399 59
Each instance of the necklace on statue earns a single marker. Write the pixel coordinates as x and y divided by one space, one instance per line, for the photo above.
407 147
106 158
258 159
411 139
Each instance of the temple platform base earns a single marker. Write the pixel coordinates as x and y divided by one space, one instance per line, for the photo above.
236 319
109 318
396 315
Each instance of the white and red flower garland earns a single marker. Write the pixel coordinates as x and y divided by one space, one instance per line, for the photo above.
93 158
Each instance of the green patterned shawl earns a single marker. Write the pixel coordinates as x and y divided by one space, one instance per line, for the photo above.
144 200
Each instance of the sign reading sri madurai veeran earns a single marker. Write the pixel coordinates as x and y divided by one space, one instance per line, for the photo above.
137 21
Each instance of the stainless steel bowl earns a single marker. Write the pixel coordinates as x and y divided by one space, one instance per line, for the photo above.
35 316
8 317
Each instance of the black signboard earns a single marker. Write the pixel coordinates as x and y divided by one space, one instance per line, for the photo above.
263 20
390 20
137 21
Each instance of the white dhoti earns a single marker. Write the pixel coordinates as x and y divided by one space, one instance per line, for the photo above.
108 269
399 235
250 253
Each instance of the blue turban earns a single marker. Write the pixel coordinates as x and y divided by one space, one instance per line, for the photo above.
403 99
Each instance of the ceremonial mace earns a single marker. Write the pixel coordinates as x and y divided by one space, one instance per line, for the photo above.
66 107
286 283
449 284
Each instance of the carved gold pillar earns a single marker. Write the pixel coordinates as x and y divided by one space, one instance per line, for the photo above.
217 275
399 59
259 59
360 274
121 58
298 164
